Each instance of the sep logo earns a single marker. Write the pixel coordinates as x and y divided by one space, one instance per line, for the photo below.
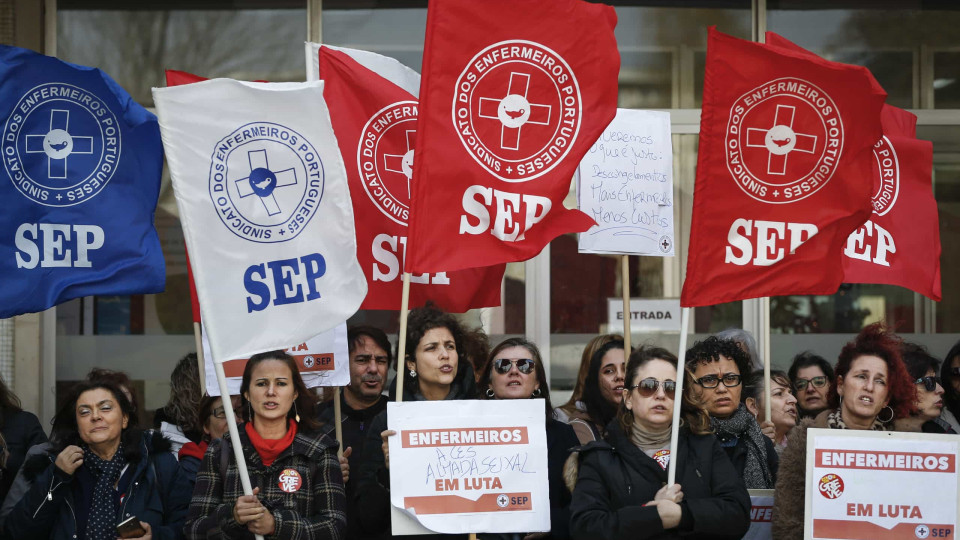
889 174
266 182
385 158
517 109
783 140
61 144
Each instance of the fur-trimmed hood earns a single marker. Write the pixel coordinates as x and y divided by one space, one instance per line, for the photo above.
43 455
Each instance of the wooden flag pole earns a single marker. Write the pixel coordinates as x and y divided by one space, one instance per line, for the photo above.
338 428
767 391
402 338
678 396
234 432
200 361
625 286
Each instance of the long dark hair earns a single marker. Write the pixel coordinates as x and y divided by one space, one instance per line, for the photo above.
695 417
306 401
600 411
65 431
9 403
951 397
487 372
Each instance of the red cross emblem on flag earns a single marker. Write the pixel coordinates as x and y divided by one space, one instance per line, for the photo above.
385 158
780 140
402 163
514 110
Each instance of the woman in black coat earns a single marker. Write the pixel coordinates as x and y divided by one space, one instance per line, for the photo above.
21 430
620 487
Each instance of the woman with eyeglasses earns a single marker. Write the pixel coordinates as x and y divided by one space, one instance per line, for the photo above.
602 392
718 366
432 371
515 371
213 421
297 482
783 406
922 367
811 377
950 375
872 389
620 489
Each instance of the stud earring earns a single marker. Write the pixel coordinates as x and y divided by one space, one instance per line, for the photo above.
413 374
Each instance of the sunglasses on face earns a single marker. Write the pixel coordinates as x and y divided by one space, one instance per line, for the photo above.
930 383
503 365
817 382
648 387
712 381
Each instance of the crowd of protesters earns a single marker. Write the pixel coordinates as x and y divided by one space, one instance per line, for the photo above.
609 446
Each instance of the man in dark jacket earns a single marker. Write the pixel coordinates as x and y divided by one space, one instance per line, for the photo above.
361 401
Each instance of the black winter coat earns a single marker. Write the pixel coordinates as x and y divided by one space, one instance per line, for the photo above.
616 479
738 456
21 430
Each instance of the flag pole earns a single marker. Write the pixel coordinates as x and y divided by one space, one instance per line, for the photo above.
678 396
767 391
402 338
234 432
336 421
625 287
200 361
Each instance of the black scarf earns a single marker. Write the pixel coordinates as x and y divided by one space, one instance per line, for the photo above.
103 514
742 425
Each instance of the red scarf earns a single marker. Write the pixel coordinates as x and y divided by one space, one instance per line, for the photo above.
269 449
192 449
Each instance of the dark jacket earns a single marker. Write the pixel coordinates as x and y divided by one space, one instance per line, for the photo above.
789 498
372 493
156 492
21 430
354 424
615 480
316 510
737 452
561 440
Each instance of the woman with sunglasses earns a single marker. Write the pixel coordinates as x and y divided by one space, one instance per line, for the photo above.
783 406
922 367
950 375
620 489
872 388
718 366
515 371
602 392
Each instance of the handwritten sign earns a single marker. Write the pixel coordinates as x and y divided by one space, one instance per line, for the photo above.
625 183
470 466
868 485
761 515
322 360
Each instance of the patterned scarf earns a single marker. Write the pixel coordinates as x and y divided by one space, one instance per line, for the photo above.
835 421
103 514
742 424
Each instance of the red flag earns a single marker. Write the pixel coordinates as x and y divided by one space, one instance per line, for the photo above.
783 174
514 93
376 125
900 243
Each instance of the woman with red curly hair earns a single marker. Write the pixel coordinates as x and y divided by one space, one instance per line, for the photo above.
872 388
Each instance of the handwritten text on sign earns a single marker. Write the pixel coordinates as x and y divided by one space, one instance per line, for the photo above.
848 485
626 186
467 464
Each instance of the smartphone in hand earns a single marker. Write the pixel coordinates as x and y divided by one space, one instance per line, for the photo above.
130 528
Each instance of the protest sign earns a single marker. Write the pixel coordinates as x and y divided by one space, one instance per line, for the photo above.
323 360
625 184
761 515
646 315
849 480
470 466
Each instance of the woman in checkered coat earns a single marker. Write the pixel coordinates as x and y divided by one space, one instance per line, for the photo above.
297 482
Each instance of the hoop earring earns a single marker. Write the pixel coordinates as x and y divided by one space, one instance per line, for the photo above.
888 419
489 393
536 393
413 374
295 413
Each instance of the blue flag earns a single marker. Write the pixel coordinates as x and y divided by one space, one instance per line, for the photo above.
79 185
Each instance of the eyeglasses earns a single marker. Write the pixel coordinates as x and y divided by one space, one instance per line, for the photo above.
648 387
712 381
218 412
524 365
817 382
930 383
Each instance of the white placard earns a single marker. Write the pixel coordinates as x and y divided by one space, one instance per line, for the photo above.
646 315
761 515
470 466
625 183
323 360
869 485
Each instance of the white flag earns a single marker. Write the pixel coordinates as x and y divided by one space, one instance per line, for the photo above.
265 210
384 66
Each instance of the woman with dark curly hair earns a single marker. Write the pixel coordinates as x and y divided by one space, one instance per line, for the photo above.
432 371
719 367
872 388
